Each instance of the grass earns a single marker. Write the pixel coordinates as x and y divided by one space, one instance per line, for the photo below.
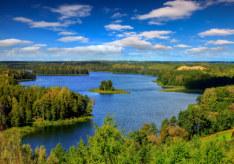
116 91
225 135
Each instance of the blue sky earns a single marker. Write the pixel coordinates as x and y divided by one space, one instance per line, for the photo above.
149 30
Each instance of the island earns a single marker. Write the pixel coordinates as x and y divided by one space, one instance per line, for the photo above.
106 87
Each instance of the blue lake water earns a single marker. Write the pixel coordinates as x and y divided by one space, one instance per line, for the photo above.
146 103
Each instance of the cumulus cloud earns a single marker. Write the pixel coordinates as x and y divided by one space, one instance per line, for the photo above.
147 35
177 9
155 34
72 11
204 49
161 47
92 49
220 42
132 41
30 49
43 24
118 27
217 32
138 43
73 39
171 10
182 46
13 42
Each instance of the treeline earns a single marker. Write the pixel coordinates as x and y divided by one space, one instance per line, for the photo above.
59 69
193 79
50 68
214 112
109 145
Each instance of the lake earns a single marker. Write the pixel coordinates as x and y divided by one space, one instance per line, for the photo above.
146 103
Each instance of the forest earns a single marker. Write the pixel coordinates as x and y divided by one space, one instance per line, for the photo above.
20 106
180 139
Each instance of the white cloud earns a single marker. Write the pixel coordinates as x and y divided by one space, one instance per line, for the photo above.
118 27
40 45
155 22
172 10
155 34
217 32
73 39
132 41
182 46
13 42
30 49
138 43
33 49
118 15
92 49
43 24
220 42
204 49
72 11
66 33
161 47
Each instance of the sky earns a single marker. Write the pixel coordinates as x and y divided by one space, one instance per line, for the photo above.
129 30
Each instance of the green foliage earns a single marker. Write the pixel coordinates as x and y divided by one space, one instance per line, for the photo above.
193 79
106 85
213 112
25 105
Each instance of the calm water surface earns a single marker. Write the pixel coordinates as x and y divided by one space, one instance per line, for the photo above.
145 104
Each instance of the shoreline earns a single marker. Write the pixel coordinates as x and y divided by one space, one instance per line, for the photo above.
174 88
38 125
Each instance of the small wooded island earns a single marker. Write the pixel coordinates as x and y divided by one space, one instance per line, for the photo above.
106 87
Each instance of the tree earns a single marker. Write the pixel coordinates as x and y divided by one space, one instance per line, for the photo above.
106 85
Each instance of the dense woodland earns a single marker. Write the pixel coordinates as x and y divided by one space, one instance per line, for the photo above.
214 112
178 140
49 68
20 106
